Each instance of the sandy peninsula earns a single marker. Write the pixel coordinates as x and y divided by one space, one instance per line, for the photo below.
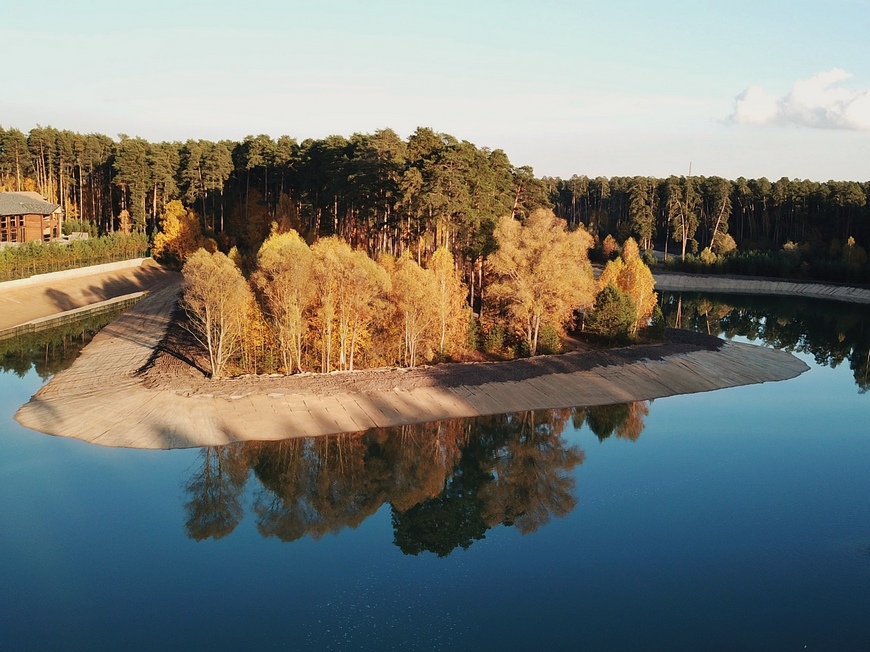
128 389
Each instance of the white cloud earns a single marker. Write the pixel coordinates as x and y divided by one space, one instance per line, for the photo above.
820 102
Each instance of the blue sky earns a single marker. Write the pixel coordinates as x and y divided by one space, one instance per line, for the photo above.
597 88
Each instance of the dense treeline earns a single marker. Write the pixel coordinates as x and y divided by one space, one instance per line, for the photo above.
377 191
749 226
382 193
382 190
756 213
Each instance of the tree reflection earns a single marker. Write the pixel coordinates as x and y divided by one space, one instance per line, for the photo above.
214 509
446 482
829 331
624 419
321 485
51 350
451 519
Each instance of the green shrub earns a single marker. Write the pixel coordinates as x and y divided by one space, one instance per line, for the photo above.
656 328
80 226
495 339
22 261
549 341
613 315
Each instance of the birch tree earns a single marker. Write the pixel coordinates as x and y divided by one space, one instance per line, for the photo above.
541 272
634 279
414 293
216 298
350 286
449 299
285 275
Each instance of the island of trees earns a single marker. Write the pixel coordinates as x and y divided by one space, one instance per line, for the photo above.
330 307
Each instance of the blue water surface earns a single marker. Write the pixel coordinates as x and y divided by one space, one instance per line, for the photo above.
737 520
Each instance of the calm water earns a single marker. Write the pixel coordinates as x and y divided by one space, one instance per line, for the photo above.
738 519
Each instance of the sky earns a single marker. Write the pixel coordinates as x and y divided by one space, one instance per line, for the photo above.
615 88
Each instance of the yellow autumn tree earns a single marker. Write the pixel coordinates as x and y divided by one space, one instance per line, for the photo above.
350 288
284 276
216 298
610 274
541 272
414 294
259 348
364 288
327 281
609 246
853 254
180 235
630 250
450 295
634 279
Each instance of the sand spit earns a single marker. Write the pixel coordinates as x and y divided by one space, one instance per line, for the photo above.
113 396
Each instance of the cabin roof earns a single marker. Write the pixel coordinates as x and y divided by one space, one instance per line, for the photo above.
25 203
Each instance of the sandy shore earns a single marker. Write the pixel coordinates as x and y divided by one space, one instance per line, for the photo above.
119 393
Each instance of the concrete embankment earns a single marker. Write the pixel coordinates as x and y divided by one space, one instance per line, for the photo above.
41 301
102 399
674 282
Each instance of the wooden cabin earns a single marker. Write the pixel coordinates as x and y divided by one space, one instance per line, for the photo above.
27 217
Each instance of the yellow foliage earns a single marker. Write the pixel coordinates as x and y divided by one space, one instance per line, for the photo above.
284 277
180 234
610 246
634 279
217 300
542 272
415 296
610 275
125 223
258 341
350 288
853 254
450 299
630 250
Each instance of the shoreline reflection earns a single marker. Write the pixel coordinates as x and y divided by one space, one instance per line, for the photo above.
831 332
51 350
447 482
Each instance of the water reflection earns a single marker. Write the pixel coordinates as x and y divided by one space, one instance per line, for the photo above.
831 332
446 482
626 420
51 350
215 508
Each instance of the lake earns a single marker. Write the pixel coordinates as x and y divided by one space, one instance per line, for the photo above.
737 519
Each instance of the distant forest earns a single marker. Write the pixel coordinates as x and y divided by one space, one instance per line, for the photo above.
382 193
